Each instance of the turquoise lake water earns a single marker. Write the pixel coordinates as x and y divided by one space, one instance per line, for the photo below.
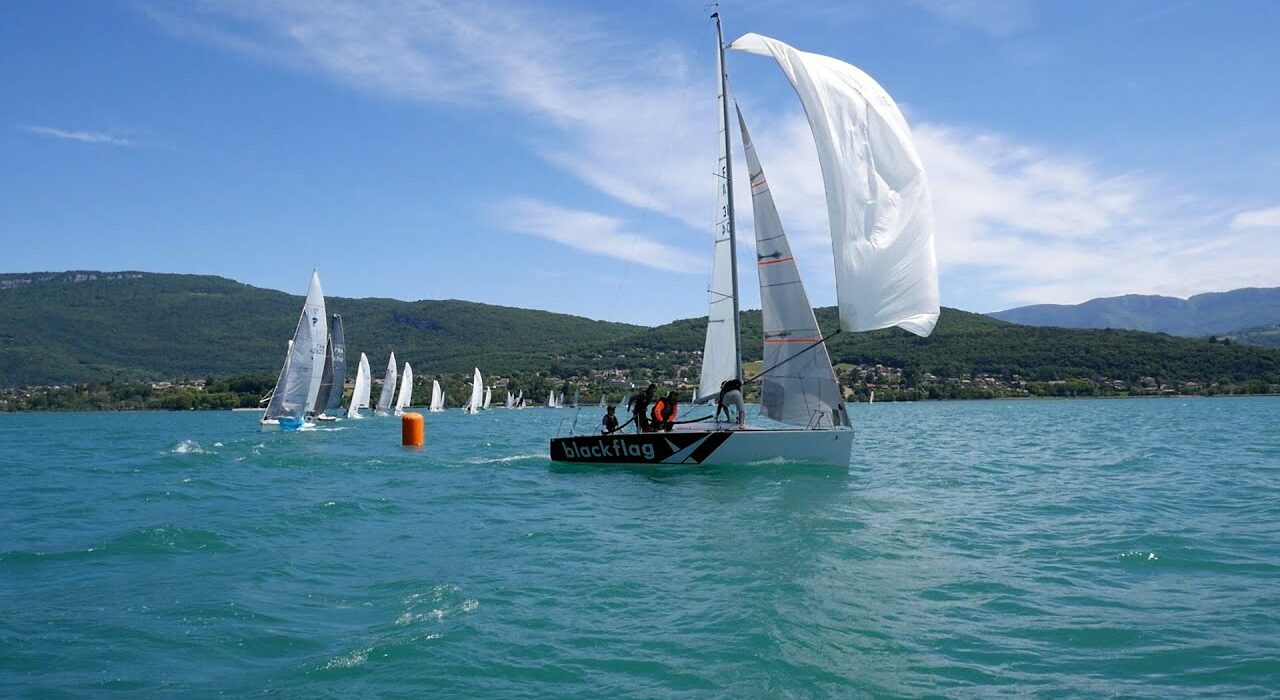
1123 548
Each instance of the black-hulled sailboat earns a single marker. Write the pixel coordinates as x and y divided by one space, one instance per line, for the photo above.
881 223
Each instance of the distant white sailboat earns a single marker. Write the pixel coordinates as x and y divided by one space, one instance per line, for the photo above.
437 397
406 390
603 403
474 406
551 399
388 389
360 395
511 400
488 397
294 395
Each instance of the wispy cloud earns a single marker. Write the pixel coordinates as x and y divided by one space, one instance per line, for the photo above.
597 234
1256 218
1017 222
80 136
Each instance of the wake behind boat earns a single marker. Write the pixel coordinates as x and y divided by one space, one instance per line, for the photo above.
881 223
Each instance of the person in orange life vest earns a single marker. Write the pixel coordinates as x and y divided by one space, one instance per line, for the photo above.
664 412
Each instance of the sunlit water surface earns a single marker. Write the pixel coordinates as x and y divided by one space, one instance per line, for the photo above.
976 549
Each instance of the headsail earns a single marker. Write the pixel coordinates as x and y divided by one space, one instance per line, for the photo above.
878 202
721 356
405 399
802 389
360 395
388 387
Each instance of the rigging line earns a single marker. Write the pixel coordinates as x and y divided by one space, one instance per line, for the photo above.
657 177
802 351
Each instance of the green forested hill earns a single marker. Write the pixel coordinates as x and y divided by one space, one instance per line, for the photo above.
80 327
68 328
964 344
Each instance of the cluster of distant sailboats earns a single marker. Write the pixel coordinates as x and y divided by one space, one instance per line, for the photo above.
311 384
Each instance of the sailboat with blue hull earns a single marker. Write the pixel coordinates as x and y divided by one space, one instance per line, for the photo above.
881 223
294 397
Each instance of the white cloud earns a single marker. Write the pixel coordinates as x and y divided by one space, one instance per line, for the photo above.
1256 218
80 136
1017 223
596 234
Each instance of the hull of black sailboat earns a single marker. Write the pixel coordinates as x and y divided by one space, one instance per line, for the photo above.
707 447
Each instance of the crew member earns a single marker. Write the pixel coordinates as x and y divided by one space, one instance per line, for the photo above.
608 424
640 408
731 395
664 412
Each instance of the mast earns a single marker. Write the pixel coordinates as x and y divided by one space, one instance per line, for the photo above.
728 186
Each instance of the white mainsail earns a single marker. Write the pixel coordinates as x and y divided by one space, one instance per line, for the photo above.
488 397
511 400
798 387
334 377
437 396
551 399
388 388
360 395
477 392
406 390
299 381
878 203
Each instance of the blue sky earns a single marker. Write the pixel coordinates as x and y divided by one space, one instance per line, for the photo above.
559 155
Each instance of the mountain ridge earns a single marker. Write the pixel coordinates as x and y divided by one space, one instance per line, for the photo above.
1211 313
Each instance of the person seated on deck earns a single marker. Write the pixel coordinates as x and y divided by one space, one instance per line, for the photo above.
640 408
608 424
731 395
664 412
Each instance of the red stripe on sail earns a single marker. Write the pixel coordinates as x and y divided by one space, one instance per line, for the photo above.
792 340
774 262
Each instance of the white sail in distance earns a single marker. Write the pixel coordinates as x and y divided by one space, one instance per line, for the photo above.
360 394
437 396
477 392
488 396
799 386
319 339
878 203
299 381
405 398
388 387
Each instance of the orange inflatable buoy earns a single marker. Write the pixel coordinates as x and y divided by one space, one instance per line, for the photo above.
412 433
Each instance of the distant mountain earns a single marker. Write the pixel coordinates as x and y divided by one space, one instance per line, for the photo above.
85 326
1218 313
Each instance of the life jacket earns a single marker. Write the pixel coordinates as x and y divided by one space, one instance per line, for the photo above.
665 410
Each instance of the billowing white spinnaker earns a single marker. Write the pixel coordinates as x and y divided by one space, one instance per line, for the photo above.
878 202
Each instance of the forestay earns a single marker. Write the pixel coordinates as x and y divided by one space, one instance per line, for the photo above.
878 202
799 386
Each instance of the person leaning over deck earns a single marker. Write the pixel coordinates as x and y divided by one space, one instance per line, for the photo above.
608 424
664 412
640 408
731 395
